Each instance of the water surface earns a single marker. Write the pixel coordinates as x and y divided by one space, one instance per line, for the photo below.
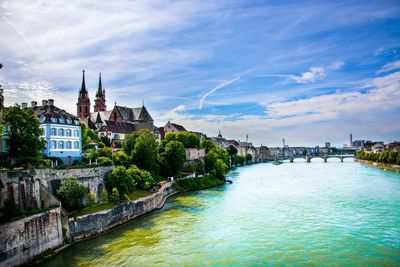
336 214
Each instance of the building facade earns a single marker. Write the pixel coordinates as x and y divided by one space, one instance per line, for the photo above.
61 130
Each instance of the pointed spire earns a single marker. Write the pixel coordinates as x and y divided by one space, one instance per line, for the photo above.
100 90
83 87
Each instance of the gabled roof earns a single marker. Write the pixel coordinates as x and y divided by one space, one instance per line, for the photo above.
125 112
45 113
179 127
118 127
104 115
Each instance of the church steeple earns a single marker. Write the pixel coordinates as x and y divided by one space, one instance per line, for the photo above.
100 101
83 105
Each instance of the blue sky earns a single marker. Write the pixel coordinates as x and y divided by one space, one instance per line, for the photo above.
306 71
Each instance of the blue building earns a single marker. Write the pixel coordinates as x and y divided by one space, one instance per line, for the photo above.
61 130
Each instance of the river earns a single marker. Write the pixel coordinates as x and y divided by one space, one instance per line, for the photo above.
317 213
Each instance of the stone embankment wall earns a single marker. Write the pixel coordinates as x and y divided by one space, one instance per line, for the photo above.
22 240
92 224
90 177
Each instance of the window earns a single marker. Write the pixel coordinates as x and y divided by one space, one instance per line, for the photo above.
42 118
68 132
61 132
76 145
68 145
76 133
62 120
76 122
69 121
53 144
53 131
53 119
61 144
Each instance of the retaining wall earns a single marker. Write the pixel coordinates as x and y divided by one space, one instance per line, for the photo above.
22 240
92 224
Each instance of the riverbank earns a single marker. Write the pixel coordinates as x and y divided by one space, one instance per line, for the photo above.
197 183
383 166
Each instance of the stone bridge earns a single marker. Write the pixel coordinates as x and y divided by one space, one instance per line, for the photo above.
324 157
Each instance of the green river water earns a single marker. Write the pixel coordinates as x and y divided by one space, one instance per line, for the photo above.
294 214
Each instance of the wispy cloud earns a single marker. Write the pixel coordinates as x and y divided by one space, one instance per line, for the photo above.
337 65
219 86
389 67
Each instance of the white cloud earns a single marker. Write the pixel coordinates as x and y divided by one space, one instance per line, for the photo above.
389 67
315 73
337 65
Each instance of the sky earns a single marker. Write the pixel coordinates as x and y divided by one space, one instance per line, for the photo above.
307 71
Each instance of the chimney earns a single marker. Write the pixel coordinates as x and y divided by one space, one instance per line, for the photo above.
50 102
44 102
24 105
33 104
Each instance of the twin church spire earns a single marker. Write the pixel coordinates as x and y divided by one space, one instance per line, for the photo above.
83 105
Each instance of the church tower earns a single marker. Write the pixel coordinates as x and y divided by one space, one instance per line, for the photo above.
83 105
100 101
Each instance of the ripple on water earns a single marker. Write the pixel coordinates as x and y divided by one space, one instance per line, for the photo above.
336 214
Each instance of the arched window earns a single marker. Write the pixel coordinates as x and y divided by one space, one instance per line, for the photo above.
53 131
61 145
53 144
80 109
76 133
76 145
61 132
68 132
86 110
68 145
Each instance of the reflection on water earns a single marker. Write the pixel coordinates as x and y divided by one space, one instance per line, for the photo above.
295 213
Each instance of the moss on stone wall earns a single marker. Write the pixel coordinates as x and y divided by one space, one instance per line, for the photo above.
192 184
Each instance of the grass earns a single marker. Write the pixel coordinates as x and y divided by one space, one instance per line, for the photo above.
108 205
138 193
94 208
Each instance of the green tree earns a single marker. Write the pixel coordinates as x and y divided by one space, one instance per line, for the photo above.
208 145
249 157
174 157
115 196
188 140
91 198
129 142
144 155
88 136
105 152
121 179
24 133
221 169
104 195
103 161
143 179
120 158
71 193
106 141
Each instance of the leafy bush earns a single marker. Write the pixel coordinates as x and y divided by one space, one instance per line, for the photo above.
121 159
143 179
91 198
198 183
103 161
104 195
120 179
71 193
114 195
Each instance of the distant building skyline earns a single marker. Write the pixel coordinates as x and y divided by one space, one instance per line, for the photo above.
306 71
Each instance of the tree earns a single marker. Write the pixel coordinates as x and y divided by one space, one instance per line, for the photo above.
104 195
88 136
120 158
188 140
143 179
103 161
249 157
121 179
105 152
71 193
115 196
129 142
221 169
24 132
208 145
174 157
106 141
232 150
144 154
91 199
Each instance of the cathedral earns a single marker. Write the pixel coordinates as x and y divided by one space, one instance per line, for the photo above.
115 123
